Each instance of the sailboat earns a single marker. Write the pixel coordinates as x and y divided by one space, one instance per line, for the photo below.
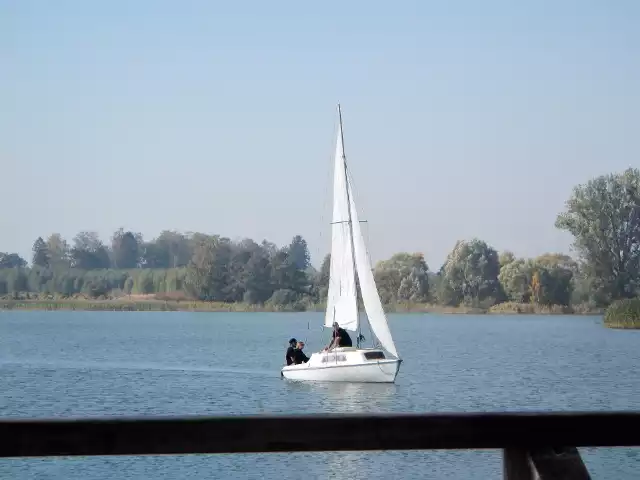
350 257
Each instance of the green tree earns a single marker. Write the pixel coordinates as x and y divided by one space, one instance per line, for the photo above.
208 272
506 258
556 273
64 283
143 283
403 277
128 286
17 280
58 251
283 297
299 253
40 253
175 279
175 248
515 278
285 275
582 289
471 273
12 260
170 249
254 272
89 252
546 280
96 287
39 279
154 255
125 249
603 216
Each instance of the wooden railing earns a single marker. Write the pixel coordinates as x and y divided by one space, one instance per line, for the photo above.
535 445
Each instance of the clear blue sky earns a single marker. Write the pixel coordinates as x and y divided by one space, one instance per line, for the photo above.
462 118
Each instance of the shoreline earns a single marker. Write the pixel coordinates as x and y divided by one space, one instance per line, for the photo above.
621 326
158 305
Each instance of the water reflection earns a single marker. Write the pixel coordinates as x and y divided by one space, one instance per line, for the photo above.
345 465
345 397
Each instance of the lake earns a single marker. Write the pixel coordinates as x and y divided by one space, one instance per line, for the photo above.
58 364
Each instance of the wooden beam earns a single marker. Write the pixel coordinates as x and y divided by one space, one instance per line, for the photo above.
308 433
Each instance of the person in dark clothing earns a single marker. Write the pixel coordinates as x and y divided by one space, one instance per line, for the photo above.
339 337
298 355
289 356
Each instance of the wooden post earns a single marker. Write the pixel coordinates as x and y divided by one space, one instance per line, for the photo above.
559 463
517 465
562 463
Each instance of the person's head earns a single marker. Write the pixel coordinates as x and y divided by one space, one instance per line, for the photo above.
336 326
293 342
300 345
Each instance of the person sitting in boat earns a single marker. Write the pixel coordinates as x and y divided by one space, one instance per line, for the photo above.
340 337
289 356
298 355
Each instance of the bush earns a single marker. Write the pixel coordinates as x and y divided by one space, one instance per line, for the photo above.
529 308
283 297
623 314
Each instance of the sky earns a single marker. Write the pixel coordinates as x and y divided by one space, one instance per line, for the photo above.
462 119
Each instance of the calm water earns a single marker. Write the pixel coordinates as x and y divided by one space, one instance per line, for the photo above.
104 363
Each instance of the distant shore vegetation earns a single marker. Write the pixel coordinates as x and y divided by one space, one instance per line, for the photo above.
203 272
623 314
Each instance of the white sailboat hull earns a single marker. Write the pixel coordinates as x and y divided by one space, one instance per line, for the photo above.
346 364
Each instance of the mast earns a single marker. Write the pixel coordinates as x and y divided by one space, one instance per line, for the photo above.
353 249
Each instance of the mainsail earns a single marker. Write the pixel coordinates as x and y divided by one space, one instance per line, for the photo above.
346 242
341 296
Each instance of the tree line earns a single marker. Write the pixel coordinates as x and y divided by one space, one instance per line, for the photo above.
603 216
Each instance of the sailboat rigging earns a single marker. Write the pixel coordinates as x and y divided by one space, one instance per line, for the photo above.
350 268
350 221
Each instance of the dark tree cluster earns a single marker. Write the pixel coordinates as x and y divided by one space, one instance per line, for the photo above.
205 267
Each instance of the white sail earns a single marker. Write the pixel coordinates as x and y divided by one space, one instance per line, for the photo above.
341 297
349 256
371 299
